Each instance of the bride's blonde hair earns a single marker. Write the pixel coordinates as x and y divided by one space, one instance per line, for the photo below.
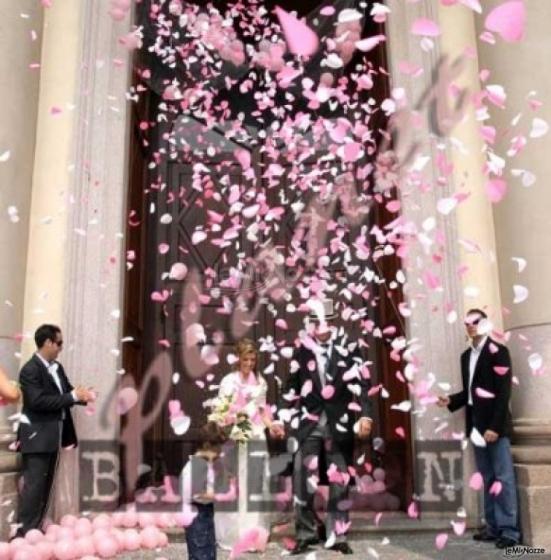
246 346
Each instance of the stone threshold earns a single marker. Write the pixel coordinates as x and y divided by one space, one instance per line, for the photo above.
390 522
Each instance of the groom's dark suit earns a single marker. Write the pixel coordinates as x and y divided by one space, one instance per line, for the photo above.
486 413
46 425
324 424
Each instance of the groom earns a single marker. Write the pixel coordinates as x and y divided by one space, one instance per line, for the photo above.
324 393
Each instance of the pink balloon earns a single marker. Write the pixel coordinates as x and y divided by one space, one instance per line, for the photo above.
130 519
34 536
150 537
16 544
102 521
46 550
163 540
84 546
132 539
146 519
65 534
64 550
107 548
83 527
68 521
101 535
117 518
25 552
5 553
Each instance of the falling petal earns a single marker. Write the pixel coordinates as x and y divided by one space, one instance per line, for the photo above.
425 27
301 40
496 189
441 540
520 293
508 19
476 481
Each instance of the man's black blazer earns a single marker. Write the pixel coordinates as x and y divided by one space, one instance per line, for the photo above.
42 409
340 418
493 373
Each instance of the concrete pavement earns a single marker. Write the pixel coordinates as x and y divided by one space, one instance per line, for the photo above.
393 546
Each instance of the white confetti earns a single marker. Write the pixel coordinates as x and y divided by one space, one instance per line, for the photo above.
520 292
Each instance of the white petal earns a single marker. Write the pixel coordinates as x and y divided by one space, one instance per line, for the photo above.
521 293
539 128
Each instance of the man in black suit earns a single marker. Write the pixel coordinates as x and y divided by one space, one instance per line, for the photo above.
325 392
46 424
486 372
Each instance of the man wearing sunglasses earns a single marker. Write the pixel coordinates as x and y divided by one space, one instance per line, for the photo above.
487 375
46 424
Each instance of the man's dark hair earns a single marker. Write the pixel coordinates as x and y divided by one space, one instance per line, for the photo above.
478 312
44 333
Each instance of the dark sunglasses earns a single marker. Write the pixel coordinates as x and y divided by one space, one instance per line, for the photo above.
58 343
474 322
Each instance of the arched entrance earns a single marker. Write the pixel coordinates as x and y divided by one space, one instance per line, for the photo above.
214 202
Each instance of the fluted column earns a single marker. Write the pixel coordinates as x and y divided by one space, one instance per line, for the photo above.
522 230
76 257
19 93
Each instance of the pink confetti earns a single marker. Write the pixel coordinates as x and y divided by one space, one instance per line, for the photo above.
328 391
496 189
441 540
496 488
483 394
508 20
425 27
126 399
368 44
412 511
476 481
301 40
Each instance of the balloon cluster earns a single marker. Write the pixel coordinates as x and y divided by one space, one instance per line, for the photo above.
82 538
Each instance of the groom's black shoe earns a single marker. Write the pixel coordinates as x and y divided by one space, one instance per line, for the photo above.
302 546
342 547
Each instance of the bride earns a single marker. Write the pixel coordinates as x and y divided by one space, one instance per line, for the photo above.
249 388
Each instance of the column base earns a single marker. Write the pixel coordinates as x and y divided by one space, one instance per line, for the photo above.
532 456
9 475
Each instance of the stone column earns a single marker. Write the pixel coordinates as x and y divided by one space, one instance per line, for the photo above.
76 256
19 93
522 228
440 342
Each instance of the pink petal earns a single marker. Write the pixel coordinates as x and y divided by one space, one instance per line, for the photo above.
327 11
368 44
400 432
328 391
425 27
508 19
126 399
412 511
496 189
476 482
483 394
441 540
243 157
300 38
501 370
306 388
459 527
496 488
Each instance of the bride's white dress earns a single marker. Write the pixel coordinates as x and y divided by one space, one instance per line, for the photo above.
252 465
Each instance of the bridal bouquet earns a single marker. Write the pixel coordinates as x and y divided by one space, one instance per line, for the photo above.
228 415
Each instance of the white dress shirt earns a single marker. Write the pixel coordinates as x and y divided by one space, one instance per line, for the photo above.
52 370
473 359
